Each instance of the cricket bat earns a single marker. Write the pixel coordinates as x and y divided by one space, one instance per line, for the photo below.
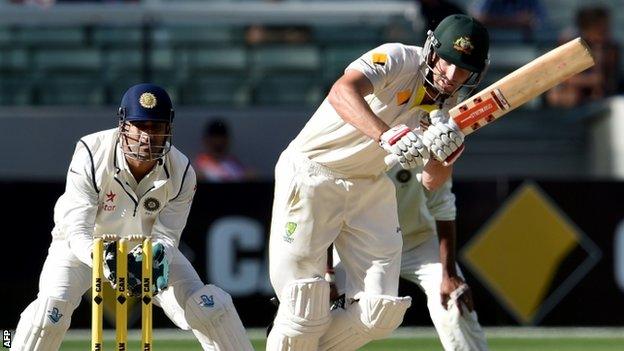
520 86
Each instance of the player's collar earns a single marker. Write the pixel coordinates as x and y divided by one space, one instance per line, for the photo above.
417 98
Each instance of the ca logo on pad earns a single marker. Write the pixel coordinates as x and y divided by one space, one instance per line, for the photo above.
290 231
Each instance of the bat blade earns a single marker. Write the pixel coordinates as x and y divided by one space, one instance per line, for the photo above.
518 87
522 85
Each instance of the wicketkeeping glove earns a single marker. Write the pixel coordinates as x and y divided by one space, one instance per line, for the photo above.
160 268
405 144
443 137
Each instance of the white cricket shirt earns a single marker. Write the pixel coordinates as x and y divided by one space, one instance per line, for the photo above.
393 70
102 196
419 208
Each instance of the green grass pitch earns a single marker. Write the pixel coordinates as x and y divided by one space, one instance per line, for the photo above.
417 339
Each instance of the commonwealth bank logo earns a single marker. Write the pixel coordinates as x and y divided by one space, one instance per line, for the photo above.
530 255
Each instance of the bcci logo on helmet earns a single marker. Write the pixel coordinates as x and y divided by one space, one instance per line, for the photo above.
147 100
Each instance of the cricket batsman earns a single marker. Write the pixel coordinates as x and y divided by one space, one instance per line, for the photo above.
331 185
428 224
126 181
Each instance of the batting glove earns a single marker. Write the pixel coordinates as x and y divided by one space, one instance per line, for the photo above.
443 138
408 148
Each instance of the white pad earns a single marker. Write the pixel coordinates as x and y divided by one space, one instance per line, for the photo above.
368 318
302 317
43 325
213 318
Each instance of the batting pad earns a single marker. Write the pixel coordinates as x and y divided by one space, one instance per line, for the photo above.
213 318
302 317
43 325
369 317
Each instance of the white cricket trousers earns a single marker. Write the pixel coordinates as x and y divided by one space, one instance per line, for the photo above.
421 266
314 207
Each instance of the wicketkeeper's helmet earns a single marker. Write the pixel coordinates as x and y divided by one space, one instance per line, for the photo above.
145 103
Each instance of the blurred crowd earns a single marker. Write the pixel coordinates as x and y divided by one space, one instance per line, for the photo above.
527 20
524 22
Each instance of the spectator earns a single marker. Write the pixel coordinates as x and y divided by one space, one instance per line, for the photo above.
216 164
42 3
524 16
600 81
434 11
258 34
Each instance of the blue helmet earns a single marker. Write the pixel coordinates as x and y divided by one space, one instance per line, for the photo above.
146 102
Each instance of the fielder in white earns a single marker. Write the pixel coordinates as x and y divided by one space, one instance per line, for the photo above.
126 181
331 185
428 224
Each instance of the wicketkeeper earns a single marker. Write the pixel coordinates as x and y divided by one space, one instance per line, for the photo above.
129 180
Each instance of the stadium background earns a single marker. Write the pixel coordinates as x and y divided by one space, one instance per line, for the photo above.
541 177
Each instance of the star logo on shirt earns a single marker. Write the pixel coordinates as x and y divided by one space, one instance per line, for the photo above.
110 197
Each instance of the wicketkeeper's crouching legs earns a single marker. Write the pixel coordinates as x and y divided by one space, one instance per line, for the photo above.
62 282
213 318
43 325
207 310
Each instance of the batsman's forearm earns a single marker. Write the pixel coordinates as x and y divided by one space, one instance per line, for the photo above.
353 109
435 174
447 240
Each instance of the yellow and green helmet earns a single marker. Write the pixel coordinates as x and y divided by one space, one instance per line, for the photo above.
462 41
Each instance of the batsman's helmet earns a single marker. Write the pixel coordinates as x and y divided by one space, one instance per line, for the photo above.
460 40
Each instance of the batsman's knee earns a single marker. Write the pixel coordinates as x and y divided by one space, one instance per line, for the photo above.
302 317
379 315
369 317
